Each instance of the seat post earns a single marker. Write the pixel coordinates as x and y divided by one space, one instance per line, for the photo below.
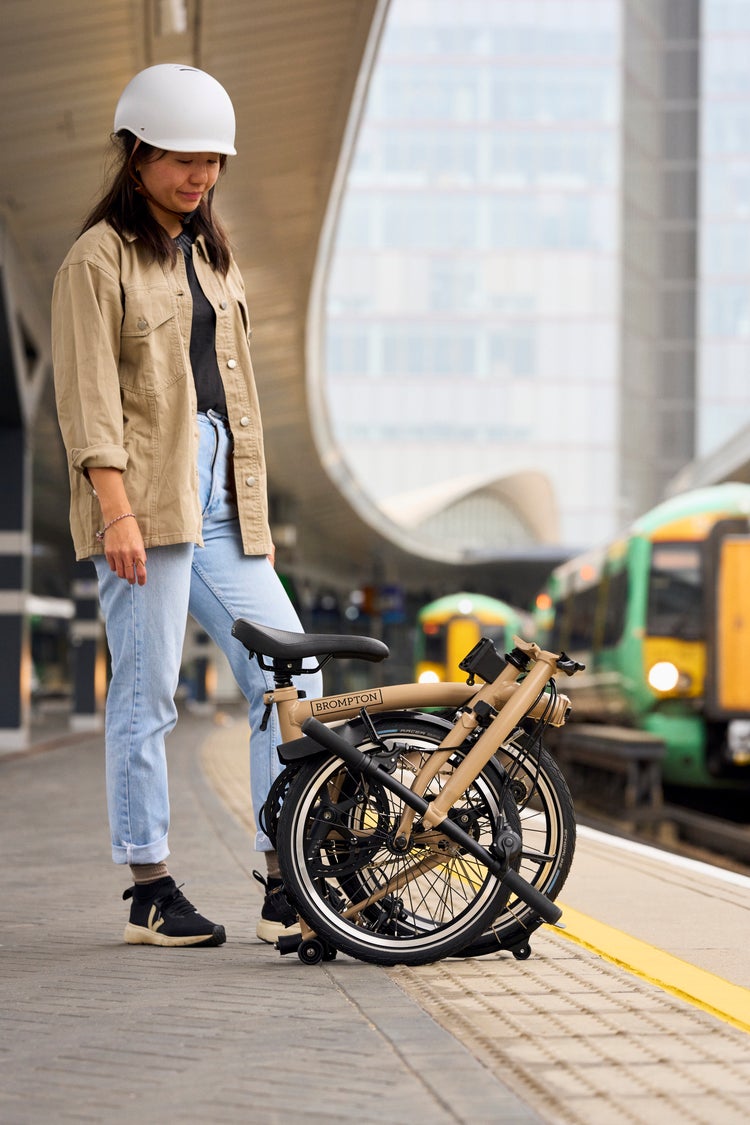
283 671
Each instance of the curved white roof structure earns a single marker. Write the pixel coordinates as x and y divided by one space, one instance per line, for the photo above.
297 71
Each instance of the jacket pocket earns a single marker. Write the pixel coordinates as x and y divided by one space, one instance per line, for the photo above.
151 353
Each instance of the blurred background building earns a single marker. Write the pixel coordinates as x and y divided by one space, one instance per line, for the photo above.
542 260
497 258
723 329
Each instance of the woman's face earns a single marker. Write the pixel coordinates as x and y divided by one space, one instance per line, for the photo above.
176 182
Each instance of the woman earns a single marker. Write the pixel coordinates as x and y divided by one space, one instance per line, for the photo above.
159 413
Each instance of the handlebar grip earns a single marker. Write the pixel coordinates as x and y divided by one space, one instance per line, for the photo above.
532 897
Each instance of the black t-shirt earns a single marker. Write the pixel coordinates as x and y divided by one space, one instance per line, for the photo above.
208 384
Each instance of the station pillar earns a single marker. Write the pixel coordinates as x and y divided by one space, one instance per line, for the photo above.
15 555
24 365
88 669
15 540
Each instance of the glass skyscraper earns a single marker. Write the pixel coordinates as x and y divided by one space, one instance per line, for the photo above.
724 309
541 259
472 306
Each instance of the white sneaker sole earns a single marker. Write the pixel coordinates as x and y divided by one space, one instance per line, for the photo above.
271 931
139 935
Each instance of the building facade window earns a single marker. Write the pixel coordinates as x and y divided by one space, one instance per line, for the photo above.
723 393
472 302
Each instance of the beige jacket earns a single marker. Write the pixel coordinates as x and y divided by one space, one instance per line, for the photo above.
125 391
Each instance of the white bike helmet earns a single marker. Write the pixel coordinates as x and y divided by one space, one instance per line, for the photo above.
177 108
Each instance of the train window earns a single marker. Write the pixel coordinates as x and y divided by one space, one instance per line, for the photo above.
675 591
559 637
614 610
583 618
433 644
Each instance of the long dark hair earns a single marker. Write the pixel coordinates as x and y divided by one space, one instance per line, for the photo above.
125 208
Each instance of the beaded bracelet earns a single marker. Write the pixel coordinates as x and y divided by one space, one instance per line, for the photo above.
124 516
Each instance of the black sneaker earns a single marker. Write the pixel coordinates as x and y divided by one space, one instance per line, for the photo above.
161 915
278 918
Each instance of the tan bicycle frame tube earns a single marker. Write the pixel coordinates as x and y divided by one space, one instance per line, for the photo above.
293 711
496 694
506 720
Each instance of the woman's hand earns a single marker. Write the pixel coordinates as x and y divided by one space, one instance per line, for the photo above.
124 549
125 552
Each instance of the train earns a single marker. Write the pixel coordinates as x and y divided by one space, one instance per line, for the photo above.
448 628
660 616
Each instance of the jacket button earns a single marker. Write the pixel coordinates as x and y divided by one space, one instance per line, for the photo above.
222 304
232 363
142 324
250 480
244 420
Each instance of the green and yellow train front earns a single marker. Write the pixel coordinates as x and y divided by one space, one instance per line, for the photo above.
448 628
662 620
692 689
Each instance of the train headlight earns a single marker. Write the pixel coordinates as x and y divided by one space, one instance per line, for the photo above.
429 678
663 676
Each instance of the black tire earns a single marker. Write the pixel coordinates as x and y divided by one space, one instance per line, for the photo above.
548 828
269 812
545 808
338 854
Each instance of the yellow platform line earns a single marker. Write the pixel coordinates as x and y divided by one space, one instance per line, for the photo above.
727 1001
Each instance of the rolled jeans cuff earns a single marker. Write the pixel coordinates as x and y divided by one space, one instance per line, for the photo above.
141 853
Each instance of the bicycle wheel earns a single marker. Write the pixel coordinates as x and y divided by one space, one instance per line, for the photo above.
545 809
268 819
548 829
373 896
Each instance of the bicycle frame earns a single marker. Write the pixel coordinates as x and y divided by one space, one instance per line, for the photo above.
508 702
498 705
294 711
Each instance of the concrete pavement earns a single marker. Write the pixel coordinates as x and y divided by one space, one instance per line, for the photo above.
93 1030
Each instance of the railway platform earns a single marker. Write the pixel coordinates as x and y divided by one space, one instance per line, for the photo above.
638 1011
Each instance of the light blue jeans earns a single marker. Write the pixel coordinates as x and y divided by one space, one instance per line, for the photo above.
146 627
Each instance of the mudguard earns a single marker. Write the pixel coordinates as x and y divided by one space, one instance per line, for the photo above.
354 730
306 747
